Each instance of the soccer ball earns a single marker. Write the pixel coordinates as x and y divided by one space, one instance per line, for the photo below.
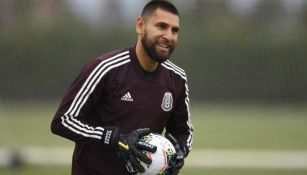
161 158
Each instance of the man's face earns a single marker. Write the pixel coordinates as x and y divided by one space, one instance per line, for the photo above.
160 35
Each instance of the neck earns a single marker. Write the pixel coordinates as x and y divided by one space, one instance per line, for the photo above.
145 61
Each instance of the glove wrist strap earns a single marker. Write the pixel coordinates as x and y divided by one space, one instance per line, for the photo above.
110 137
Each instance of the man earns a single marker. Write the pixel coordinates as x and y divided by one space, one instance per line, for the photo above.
118 96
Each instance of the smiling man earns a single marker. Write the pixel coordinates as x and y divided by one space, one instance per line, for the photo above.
158 33
126 94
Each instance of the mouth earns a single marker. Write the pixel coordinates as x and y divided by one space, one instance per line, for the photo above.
164 46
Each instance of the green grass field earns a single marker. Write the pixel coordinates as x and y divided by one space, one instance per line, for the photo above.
62 170
216 127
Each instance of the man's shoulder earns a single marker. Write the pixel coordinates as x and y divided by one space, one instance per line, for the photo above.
108 61
174 69
115 54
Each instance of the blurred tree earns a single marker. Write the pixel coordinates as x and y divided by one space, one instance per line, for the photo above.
228 57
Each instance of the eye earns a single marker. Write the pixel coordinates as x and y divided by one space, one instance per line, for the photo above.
162 26
175 30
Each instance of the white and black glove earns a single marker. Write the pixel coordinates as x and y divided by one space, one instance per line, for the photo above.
177 160
129 147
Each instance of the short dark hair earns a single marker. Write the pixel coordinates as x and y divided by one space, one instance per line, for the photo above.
153 5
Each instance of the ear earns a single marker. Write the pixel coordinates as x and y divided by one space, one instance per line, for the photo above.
139 25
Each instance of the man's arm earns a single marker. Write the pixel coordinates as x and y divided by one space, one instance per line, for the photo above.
179 129
76 121
73 118
180 125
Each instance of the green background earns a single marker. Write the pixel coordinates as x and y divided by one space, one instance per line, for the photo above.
246 71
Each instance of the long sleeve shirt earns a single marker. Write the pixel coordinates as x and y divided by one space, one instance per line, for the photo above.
114 90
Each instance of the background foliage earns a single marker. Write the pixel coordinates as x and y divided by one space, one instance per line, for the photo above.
245 59
258 56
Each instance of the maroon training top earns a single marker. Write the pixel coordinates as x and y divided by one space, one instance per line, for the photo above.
113 90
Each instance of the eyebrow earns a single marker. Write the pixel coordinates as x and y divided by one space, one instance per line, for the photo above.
175 27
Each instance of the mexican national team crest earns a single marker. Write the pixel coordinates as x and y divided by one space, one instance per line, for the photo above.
167 101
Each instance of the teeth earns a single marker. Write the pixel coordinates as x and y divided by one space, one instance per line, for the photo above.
162 45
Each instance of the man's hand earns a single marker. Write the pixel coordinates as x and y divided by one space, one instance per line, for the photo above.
177 160
134 154
130 147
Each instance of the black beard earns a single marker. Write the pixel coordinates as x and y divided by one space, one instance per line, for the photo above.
151 51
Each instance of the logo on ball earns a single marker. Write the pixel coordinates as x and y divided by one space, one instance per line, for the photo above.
161 158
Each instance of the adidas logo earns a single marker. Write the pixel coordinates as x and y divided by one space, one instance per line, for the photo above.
127 97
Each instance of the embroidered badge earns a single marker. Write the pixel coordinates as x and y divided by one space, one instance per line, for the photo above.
167 102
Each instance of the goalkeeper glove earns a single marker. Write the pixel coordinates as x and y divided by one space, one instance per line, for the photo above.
129 147
177 160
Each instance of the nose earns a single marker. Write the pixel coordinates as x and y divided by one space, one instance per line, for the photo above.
168 35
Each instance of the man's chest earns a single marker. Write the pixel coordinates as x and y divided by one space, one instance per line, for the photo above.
130 100
148 96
